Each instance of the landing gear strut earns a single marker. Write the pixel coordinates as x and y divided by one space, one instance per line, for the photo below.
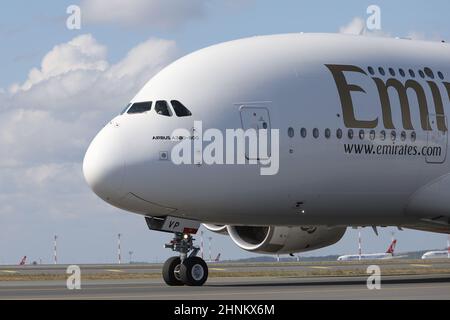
187 269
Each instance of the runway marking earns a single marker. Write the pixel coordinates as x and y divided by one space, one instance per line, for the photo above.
114 270
217 269
421 265
9 271
317 267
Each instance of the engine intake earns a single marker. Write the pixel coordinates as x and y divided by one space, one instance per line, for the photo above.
216 228
281 240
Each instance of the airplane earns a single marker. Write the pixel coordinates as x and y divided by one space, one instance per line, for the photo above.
442 254
351 131
389 254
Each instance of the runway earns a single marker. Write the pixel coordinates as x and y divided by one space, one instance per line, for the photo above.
401 279
266 288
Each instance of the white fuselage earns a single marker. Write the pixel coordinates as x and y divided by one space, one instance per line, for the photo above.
311 81
369 256
444 254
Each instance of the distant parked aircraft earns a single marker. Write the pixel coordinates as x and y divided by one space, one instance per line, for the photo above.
443 254
389 254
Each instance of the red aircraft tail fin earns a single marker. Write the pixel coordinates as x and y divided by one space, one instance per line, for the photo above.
23 261
391 248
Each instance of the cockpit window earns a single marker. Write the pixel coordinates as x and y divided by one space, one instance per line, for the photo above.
162 108
140 107
180 109
126 108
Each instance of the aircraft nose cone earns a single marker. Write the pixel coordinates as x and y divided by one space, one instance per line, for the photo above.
104 166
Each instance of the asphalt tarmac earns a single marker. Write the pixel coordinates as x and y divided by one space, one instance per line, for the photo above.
426 280
255 288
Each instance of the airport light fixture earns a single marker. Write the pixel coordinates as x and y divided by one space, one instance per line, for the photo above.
119 253
55 249
201 244
359 244
210 256
448 247
131 255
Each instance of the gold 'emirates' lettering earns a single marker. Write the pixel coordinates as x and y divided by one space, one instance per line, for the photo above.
345 90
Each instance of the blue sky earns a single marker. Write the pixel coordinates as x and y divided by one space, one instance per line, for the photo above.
29 29
44 133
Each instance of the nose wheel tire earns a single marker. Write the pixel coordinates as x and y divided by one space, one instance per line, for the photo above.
172 272
194 271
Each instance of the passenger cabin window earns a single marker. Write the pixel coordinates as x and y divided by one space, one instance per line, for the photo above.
303 132
162 108
403 136
316 133
361 134
429 73
393 135
140 107
180 109
291 132
421 74
350 134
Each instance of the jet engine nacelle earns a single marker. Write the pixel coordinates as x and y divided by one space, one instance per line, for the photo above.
282 240
216 228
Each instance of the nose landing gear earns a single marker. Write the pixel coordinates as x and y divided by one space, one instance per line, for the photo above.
187 269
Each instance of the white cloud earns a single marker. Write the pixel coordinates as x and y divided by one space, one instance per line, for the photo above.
82 53
48 120
81 66
38 137
42 179
157 13
51 117
46 124
140 63
416 35
77 82
357 26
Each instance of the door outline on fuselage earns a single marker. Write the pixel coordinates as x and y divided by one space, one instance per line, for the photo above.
437 137
256 116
